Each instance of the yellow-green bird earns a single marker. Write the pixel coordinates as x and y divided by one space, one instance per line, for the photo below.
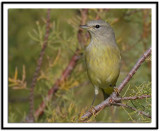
102 57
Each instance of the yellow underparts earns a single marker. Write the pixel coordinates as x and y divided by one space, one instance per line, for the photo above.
108 90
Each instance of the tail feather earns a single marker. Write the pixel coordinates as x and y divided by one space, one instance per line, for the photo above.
107 92
105 95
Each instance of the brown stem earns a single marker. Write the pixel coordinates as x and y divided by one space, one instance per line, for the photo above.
36 73
113 97
132 98
146 30
67 71
132 108
134 69
81 36
55 87
136 97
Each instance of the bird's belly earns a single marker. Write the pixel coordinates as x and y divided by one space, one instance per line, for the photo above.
103 70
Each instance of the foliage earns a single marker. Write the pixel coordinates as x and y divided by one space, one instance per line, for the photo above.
26 36
139 104
18 84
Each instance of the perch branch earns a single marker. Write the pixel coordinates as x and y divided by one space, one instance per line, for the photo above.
36 73
135 97
113 97
68 69
132 108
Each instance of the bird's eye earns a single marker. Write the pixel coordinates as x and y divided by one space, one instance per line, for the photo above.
97 26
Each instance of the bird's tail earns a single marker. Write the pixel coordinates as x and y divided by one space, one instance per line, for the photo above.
107 92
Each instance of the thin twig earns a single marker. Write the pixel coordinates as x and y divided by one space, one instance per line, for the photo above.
132 108
55 87
134 69
113 97
36 73
131 98
81 36
146 30
135 97
68 69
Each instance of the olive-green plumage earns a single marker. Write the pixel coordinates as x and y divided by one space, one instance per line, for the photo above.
102 57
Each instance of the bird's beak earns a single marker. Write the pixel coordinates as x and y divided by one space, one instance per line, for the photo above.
84 26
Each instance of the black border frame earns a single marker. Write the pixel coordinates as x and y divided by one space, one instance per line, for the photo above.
80 2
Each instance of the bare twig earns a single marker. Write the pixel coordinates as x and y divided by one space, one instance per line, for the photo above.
146 30
81 36
132 97
55 87
136 97
132 108
96 109
68 69
113 97
134 69
98 16
36 73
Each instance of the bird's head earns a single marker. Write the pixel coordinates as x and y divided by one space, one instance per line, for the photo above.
98 28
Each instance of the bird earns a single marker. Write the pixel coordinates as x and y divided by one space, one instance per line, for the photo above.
102 57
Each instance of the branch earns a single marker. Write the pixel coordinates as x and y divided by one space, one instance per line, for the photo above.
81 37
55 87
68 69
36 73
117 99
113 97
134 69
132 108
135 97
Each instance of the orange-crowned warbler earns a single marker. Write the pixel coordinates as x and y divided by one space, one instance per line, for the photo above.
102 57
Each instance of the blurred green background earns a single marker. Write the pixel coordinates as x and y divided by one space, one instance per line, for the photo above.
25 38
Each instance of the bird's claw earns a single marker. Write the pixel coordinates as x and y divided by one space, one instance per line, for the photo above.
116 91
92 110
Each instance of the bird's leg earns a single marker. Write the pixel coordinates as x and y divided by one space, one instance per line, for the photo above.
92 107
93 100
95 94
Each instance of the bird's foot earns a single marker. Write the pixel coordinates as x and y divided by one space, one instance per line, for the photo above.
116 91
93 110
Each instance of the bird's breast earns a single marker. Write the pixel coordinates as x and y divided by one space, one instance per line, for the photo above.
103 63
